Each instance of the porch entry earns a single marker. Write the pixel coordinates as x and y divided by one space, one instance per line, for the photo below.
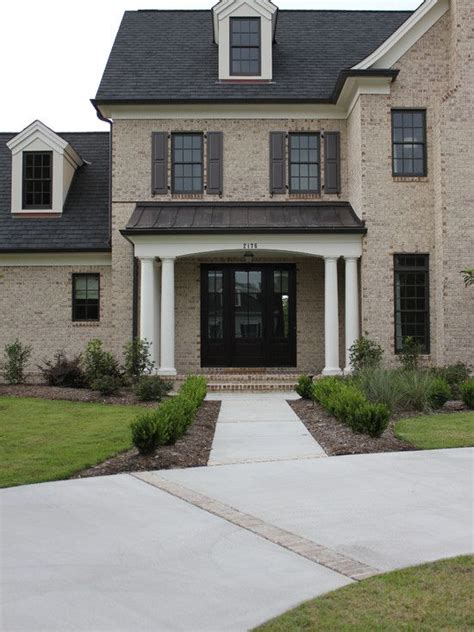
248 315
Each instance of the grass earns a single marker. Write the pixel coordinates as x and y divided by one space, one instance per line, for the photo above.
454 430
43 440
430 597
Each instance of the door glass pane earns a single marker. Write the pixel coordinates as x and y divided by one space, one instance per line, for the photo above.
215 321
248 307
280 304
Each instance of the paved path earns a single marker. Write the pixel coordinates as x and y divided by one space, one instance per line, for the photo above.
258 427
224 548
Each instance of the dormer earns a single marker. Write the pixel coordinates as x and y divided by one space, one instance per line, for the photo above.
244 31
43 166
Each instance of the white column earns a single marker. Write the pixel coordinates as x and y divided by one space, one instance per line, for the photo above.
331 317
352 307
167 365
148 313
156 346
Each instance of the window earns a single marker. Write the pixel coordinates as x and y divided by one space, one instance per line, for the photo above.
187 163
304 153
245 44
412 316
85 297
37 179
409 142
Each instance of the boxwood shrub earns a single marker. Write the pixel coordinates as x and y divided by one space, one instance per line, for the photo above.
349 405
169 422
304 388
467 393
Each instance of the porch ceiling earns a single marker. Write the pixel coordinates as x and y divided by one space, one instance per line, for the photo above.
256 217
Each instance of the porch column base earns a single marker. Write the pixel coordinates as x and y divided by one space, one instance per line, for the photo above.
167 372
329 372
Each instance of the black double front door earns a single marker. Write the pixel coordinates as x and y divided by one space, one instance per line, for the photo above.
248 316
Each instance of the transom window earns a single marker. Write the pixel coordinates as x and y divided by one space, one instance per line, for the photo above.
409 142
412 317
187 175
37 179
304 161
86 297
245 44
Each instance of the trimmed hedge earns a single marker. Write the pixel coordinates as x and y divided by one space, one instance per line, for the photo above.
467 393
344 400
304 388
169 422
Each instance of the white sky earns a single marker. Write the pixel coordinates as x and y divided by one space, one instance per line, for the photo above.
53 53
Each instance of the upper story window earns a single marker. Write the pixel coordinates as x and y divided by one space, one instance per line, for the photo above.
187 163
86 297
412 316
409 142
37 179
304 150
245 47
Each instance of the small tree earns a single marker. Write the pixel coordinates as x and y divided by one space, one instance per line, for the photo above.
17 356
98 363
138 360
365 354
468 276
410 355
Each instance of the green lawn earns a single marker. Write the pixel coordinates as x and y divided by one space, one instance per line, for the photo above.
431 597
455 430
43 440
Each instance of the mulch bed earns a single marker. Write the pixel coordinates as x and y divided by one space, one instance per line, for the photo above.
191 451
124 397
337 439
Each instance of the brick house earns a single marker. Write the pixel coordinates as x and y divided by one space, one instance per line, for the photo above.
273 183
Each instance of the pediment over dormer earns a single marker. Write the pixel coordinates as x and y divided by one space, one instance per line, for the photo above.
43 167
244 31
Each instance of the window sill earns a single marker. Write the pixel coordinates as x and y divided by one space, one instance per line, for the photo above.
37 213
410 178
304 196
86 323
187 196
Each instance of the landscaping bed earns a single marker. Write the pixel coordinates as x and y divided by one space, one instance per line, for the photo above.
42 391
338 439
192 450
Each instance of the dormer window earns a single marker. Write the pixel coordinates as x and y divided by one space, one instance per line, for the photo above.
245 47
37 179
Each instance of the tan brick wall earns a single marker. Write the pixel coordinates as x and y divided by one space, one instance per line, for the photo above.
35 303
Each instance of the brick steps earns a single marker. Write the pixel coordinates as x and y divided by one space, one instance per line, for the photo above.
216 387
259 380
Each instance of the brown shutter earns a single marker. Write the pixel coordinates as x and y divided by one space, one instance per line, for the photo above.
332 162
160 163
277 162
215 170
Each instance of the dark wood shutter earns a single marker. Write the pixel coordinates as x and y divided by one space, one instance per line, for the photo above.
159 163
215 167
332 162
277 162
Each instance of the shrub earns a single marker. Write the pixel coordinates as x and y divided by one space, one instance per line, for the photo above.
364 354
304 388
169 422
99 363
410 355
150 388
455 375
348 404
63 372
371 419
380 386
17 356
440 392
138 360
467 393
106 384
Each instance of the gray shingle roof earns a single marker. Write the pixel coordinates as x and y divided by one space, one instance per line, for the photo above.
244 217
170 55
84 224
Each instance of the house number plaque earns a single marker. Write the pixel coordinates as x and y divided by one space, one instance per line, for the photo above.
250 246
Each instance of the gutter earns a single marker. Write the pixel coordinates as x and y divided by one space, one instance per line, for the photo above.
101 117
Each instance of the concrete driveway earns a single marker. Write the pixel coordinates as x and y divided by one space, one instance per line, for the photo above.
120 554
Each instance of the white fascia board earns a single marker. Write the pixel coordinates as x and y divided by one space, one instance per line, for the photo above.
36 130
44 259
225 8
405 36
315 245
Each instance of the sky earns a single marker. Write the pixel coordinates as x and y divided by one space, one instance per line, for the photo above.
53 53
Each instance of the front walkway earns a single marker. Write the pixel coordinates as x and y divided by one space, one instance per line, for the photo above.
257 427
